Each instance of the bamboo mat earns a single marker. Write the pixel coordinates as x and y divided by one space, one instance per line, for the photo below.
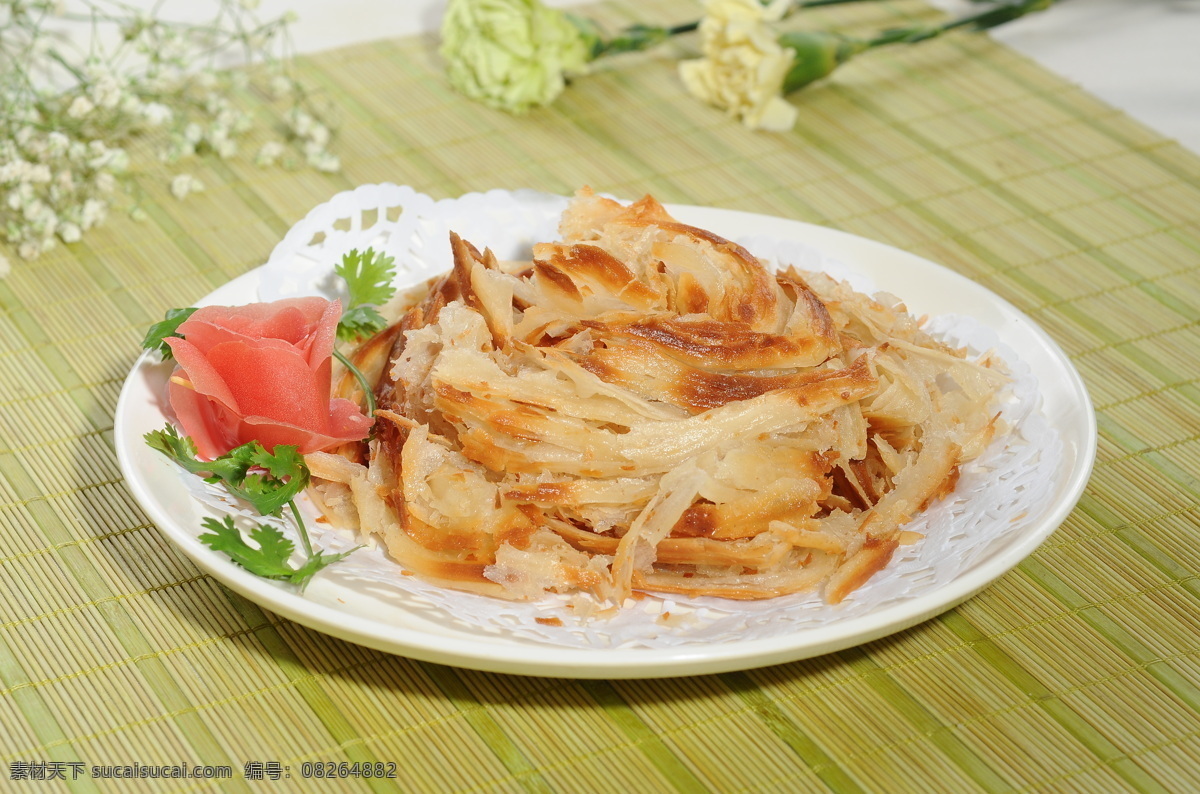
1078 671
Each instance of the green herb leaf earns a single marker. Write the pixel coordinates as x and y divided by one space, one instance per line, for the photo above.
268 481
368 276
269 557
166 328
360 322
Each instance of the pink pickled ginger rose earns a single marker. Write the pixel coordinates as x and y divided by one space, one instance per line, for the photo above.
261 373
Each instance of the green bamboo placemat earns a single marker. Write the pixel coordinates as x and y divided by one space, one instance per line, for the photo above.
1076 672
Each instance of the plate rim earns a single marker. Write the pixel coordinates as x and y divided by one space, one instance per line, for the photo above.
517 656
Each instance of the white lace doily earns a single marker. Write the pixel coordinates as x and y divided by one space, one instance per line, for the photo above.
996 495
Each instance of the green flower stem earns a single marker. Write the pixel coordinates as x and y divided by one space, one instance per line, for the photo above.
636 38
983 20
368 392
818 53
308 549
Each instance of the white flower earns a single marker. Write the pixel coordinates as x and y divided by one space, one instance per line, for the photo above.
80 107
184 184
193 133
5 266
119 161
29 249
70 233
269 154
93 213
106 91
300 122
38 148
38 174
156 114
229 118
11 171
215 104
58 142
325 161
102 156
105 182
319 135
217 134
744 66
33 209
131 105
280 86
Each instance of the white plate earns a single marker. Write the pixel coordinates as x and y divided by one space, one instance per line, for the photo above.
358 612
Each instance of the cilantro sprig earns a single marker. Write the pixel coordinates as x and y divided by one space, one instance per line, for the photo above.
368 276
269 557
268 481
166 328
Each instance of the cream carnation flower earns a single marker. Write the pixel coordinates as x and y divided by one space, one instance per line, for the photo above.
744 66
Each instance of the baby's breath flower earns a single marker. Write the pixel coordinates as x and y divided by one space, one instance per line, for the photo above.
325 161
57 143
80 107
63 145
70 233
319 135
106 92
93 212
300 122
105 182
269 153
156 114
183 184
280 86
193 133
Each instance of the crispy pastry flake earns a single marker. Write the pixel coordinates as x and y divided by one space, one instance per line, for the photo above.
645 407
